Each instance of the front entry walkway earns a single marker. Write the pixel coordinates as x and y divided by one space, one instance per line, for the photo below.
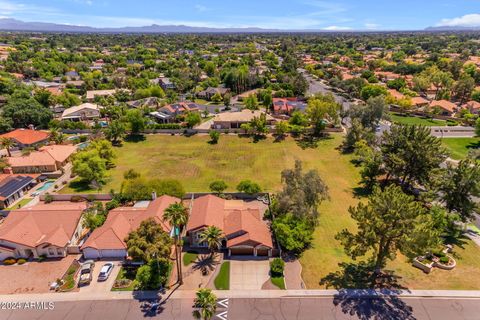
248 273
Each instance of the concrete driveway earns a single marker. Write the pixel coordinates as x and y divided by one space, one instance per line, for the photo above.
246 274
102 286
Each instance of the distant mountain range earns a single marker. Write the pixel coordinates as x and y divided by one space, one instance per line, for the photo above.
9 24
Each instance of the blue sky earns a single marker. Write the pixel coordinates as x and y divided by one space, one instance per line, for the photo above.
278 14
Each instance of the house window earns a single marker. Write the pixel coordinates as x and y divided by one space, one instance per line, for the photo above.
51 251
59 252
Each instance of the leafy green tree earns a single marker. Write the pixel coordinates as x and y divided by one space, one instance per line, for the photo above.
104 149
281 128
177 216
206 304
459 186
356 133
214 136
153 275
372 91
391 221
251 102
115 131
277 265
218 186
149 242
293 233
213 236
410 153
141 189
267 100
24 111
249 187
302 193
192 119
136 120
323 109
217 98
90 167
370 114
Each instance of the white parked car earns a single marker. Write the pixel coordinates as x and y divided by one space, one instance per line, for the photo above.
105 271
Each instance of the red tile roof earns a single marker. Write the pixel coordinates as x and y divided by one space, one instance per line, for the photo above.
121 221
444 104
233 217
26 136
53 224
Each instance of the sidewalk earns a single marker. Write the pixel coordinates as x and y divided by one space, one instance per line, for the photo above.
265 294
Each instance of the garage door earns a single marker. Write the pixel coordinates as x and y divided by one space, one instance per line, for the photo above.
262 252
5 254
113 253
241 251
90 253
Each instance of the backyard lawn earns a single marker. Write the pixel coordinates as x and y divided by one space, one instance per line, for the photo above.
401 119
459 147
196 163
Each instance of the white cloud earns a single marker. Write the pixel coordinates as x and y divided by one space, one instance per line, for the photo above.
371 26
337 28
200 8
468 20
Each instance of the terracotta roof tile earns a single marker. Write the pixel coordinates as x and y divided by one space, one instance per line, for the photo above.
26 136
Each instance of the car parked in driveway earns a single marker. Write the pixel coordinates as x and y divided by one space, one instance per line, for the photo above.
105 271
86 272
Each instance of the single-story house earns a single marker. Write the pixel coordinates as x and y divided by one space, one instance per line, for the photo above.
150 102
44 229
287 106
396 94
170 111
46 159
419 102
447 108
91 94
472 106
26 138
246 233
85 111
108 241
13 186
234 120
211 91
165 83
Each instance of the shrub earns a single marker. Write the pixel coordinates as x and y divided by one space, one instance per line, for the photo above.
48 198
76 199
277 266
214 136
249 187
9 261
83 138
21 261
64 182
171 126
444 260
112 204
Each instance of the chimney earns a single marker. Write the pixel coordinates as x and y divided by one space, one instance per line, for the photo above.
154 195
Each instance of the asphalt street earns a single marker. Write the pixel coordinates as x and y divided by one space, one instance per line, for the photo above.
324 308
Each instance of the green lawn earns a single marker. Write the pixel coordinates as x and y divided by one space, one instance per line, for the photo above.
222 281
189 257
459 147
401 119
20 204
126 274
278 282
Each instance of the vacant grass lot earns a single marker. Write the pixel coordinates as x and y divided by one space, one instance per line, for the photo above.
196 163
459 147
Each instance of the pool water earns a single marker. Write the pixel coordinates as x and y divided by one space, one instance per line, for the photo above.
46 185
83 145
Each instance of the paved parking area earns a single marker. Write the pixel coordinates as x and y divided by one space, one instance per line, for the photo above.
246 274
101 286
32 277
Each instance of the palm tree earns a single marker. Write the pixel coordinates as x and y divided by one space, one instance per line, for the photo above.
213 236
54 132
206 304
7 143
177 216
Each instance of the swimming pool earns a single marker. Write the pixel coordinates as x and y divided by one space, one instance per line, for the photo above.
83 145
46 185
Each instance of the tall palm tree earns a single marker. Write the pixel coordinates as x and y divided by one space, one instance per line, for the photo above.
177 216
206 304
7 143
213 236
